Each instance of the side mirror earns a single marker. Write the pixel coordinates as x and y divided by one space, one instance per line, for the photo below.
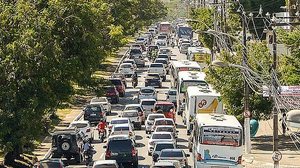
104 146
148 136
177 131
187 155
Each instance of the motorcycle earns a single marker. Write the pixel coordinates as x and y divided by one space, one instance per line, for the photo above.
172 44
88 156
134 83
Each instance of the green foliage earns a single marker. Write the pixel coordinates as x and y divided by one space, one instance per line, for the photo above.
289 65
230 83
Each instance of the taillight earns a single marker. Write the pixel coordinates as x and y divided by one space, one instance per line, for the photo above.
239 161
130 133
88 130
110 127
108 154
133 152
199 157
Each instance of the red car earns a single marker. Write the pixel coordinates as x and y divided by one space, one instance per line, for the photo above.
112 94
167 108
119 85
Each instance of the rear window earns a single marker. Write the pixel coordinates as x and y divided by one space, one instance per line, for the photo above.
126 66
133 108
147 91
116 82
172 92
135 51
105 166
164 107
161 61
161 37
157 65
121 129
161 136
119 121
148 103
164 122
153 117
160 147
79 125
171 154
93 109
130 114
164 129
163 56
120 145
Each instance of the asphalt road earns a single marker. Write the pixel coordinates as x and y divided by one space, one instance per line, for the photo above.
145 161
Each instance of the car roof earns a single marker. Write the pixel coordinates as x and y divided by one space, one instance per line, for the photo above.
148 100
131 105
119 136
170 119
156 114
119 118
173 150
163 126
164 102
80 122
130 111
122 125
100 162
163 164
148 87
156 63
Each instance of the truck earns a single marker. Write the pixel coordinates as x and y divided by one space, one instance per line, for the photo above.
165 27
199 100
185 32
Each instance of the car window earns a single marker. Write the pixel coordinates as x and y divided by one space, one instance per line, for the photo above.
120 145
161 61
164 107
126 66
161 136
135 51
172 92
148 103
147 91
79 125
121 129
130 114
116 82
119 121
163 56
153 117
164 122
160 147
105 166
156 65
171 154
164 129
133 108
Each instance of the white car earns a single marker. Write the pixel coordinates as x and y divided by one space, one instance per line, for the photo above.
165 57
105 163
132 61
127 69
137 107
158 68
148 105
85 127
104 102
148 92
116 121
159 137
150 120
172 96
166 128
123 129
161 42
134 117
162 121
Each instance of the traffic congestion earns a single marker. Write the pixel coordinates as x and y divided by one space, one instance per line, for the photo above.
158 111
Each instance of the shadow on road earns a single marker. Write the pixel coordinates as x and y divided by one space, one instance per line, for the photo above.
141 158
265 143
138 137
144 166
140 145
181 140
182 146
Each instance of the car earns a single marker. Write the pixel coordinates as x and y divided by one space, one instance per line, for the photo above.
134 116
184 48
123 129
104 102
160 146
132 61
137 55
85 127
147 93
167 164
123 151
172 96
150 120
105 164
167 128
141 40
148 105
162 121
121 76
68 143
161 42
158 68
165 51
137 46
165 57
116 121
153 79
119 85
47 163
137 107
159 137
174 154
166 108
112 94
127 69
164 62
94 113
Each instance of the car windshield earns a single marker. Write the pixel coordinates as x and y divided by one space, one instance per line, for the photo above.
147 90
120 145
79 125
185 84
130 114
157 65
171 154
161 61
99 99
105 166
161 37
163 56
116 82
121 129
164 122
135 51
119 121
161 136
164 107
173 92
133 108
148 103
49 164
126 66
160 147
164 129
93 109
153 117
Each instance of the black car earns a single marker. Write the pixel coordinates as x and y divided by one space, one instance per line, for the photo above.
123 151
153 79
47 163
94 113
68 143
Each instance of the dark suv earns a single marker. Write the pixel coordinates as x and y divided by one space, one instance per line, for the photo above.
68 143
112 94
94 113
119 85
123 151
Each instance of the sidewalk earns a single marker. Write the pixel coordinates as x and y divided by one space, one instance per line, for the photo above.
262 149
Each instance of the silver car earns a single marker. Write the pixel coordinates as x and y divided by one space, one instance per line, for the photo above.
174 154
150 120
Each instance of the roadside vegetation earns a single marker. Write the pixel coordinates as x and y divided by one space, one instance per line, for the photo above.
46 48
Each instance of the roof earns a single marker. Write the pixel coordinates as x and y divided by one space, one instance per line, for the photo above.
219 120
164 102
129 111
200 91
185 63
164 142
119 118
100 162
163 164
169 133
173 150
191 75
148 87
156 119
80 121
148 100
122 125
132 105
157 114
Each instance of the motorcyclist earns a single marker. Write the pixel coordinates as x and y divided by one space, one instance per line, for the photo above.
134 80
101 128
87 146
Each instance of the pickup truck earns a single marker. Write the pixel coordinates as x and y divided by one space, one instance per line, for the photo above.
158 68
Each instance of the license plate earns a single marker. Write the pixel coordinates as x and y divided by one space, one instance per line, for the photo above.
114 154
93 115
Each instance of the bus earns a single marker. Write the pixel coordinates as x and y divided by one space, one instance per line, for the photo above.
182 65
186 79
165 27
216 141
199 99
199 54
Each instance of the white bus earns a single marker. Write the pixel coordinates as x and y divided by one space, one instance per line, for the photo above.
186 79
200 100
182 65
217 141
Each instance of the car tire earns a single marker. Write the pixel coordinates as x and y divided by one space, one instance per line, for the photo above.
122 94
149 153
135 164
78 158
55 155
65 145
164 78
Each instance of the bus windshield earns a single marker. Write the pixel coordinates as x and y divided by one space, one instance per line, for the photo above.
185 84
221 136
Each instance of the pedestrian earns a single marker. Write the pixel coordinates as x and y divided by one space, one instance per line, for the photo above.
283 124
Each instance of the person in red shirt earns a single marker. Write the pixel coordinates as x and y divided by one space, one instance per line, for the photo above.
101 127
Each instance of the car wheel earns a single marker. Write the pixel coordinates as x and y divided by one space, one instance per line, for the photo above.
164 78
136 164
78 158
66 146
149 153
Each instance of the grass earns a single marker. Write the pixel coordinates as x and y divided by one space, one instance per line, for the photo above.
62 113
